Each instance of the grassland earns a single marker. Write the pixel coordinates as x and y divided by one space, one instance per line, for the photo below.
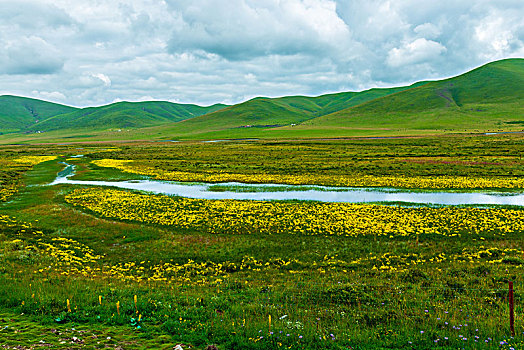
328 162
101 267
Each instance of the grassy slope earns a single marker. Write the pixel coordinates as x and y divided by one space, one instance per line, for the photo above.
489 96
125 115
17 113
263 112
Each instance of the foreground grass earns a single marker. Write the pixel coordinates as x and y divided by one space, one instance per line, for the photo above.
152 284
21 331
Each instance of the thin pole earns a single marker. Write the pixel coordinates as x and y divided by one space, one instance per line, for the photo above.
511 310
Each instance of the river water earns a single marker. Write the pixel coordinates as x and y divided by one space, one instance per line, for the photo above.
301 192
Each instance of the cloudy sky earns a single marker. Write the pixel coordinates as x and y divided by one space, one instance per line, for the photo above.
93 52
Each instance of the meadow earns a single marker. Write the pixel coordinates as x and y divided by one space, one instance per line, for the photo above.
101 267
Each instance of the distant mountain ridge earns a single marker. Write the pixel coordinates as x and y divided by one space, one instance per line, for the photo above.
491 95
125 115
22 114
18 113
282 111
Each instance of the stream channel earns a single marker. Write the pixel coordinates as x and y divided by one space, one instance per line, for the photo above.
301 192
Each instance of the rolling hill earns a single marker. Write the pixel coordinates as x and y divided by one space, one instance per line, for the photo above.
124 115
19 113
491 95
263 112
489 98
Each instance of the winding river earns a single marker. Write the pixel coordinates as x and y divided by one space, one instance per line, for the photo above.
301 192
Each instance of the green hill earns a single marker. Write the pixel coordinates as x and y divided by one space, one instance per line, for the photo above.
491 96
263 112
19 113
124 115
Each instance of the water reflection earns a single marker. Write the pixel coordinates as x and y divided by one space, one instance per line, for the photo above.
316 193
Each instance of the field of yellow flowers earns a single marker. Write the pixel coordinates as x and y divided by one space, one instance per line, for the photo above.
428 163
255 274
356 180
301 218
11 170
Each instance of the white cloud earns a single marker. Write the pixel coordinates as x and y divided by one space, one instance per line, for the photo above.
31 15
104 78
420 50
90 81
53 96
496 36
250 28
427 30
29 55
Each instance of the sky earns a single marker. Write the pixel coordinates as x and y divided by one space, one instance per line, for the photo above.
94 52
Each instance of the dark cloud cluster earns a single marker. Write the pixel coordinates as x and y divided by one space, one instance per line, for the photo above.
206 51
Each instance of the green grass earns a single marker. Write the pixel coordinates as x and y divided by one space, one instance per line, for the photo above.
89 172
363 308
473 156
29 331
